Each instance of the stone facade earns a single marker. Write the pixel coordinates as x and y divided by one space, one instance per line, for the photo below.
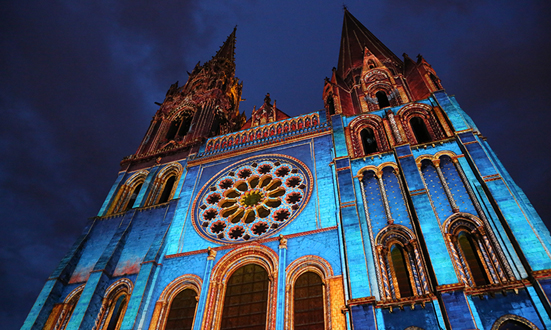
389 201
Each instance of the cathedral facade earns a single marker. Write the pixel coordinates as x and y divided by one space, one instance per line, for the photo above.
385 210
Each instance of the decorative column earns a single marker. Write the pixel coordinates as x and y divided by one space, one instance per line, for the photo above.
436 163
204 290
395 131
457 259
280 302
482 216
379 175
382 266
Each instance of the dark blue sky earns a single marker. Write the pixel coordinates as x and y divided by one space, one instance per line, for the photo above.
78 80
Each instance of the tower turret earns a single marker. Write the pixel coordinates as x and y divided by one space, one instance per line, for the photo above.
206 105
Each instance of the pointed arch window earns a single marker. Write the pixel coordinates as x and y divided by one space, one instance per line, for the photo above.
474 253
382 99
184 127
182 311
369 142
435 82
133 197
331 105
116 312
401 272
308 302
246 299
172 130
167 190
471 258
420 130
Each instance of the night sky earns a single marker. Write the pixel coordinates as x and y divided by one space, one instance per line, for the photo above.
78 82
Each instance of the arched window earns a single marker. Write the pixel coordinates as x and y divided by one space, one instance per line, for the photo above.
172 130
182 311
368 141
382 99
401 271
133 197
513 325
308 302
420 130
245 303
167 190
471 258
184 128
331 105
116 312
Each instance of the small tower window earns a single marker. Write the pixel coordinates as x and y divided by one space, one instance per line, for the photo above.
368 141
308 302
172 130
420 130
331 105
401 271
184 128
472 259
382 99
133 197
167 190
182 311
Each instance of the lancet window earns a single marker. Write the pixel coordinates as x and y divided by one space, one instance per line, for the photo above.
400 266
382 99
114 305
420 130
182 311
420 123
473 252
128 193
308 302
165 184
367 135
246 299
61 313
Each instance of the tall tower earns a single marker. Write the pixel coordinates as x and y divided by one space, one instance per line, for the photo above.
387 209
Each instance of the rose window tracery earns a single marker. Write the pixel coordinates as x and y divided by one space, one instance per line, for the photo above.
251 199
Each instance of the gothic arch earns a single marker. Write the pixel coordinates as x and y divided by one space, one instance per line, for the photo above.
511 317
474 258
161 184
162 307
298 267
126 192
114 292
393 97
424 113
392 283
373 122
222 271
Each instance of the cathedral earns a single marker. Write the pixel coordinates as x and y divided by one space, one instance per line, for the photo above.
387 209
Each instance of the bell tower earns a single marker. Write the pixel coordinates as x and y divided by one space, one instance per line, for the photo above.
206 105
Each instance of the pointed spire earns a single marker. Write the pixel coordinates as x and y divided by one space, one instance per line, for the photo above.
228 48
355 38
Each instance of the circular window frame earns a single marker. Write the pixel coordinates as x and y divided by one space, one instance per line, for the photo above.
225 210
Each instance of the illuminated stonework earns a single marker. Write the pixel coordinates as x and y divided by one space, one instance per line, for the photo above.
253 198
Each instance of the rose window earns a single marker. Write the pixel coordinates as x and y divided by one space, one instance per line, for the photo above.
251 199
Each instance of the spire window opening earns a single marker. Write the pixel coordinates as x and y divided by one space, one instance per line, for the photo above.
401 271
184 128
369 142
246 300
308 302
472 259
435 82
172 130
167 190
133 197
382 99
182 311
331 105
420 130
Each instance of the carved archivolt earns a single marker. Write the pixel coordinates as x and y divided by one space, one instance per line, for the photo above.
373 122
224 269
162 307
125 191
309 263
511 317
425 113
119 288
173 169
